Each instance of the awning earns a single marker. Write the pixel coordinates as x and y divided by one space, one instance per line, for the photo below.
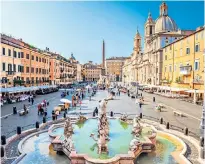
195 91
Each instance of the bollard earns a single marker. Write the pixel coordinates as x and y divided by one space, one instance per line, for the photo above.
111 114
186 131
47 103
201 142
161 120
44 119
3 140
18 130
14 110
141 94
93 114
64 115
37 124
202 153
153 99
140 115
2 151
167 125
45 114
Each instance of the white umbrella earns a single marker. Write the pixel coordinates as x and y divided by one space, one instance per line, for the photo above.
88 87
65 101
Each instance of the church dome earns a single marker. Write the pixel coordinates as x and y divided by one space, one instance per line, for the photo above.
165 24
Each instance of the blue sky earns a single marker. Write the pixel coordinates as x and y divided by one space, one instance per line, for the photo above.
80 27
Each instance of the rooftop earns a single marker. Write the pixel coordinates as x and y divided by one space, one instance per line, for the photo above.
117 58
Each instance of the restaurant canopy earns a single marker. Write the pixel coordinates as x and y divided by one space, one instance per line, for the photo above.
24 89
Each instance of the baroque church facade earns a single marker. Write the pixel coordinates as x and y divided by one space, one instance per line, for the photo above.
147 66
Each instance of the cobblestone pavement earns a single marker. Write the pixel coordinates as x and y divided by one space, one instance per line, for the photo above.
121 104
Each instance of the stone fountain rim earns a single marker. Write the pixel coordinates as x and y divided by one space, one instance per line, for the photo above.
117 156
172 133
20 145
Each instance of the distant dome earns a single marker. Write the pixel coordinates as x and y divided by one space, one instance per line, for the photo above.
165 24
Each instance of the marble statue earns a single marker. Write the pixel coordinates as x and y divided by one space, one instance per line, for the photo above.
135 143
103 128
68 131
124 117
136 126
81 119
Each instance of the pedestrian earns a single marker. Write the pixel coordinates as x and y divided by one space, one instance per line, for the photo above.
29 99
53 115
153 99
96 111
32 100
45 112
25 109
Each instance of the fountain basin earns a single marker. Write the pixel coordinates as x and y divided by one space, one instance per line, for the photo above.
86 152
38 144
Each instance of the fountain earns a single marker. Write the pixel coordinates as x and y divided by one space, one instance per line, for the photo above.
140 142
101 139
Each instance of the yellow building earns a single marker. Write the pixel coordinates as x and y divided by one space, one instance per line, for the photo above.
183 62
114 68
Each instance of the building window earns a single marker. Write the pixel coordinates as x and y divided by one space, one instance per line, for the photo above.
19 54
202 35
19 68
197 48
165 69
36 58
9 52
39 70
27 79
22 55
32 70
22 68
170 47
14 67
150 30
3 51
36 70
165 57
3 66
32 57
27 69
170 68
9 67
15 54
196 65
39 59
27 56
187 50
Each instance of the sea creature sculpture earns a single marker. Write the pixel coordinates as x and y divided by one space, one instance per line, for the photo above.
136 126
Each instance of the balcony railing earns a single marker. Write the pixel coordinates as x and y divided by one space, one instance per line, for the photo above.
185 70
198 81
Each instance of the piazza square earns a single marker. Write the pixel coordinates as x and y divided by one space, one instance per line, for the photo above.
102 82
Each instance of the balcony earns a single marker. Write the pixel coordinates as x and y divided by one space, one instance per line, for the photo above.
185 70
198 81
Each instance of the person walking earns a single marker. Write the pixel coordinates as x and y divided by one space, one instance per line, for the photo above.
29 99
32 100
